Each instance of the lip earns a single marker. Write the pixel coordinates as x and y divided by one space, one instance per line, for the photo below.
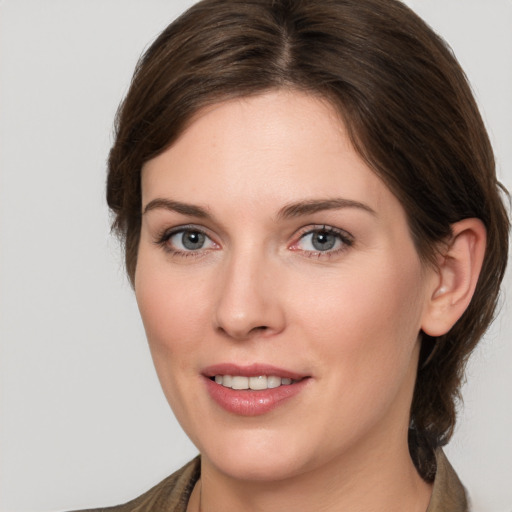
249 402
252 370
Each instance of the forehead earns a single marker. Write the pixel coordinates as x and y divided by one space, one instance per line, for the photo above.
272 148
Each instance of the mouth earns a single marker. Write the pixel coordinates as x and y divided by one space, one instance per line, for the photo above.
252 390
254 383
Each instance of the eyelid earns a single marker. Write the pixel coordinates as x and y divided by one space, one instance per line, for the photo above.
166 234
346 238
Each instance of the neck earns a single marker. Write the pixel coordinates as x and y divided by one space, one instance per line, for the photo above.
384 479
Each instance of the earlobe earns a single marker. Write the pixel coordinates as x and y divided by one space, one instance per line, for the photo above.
459 266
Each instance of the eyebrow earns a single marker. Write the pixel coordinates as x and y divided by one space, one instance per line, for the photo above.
308 207
178 207
292 210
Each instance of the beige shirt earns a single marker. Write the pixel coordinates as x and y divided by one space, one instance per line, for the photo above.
173 493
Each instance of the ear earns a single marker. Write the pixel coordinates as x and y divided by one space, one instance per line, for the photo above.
458 269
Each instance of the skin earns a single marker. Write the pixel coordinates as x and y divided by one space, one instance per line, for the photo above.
259 291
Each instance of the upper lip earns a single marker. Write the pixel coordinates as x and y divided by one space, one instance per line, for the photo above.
252 370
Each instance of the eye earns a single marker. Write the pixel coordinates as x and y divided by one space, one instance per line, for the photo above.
320 241
324 239
186 240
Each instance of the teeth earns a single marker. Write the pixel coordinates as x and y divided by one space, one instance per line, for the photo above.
240 382
273 382
259 382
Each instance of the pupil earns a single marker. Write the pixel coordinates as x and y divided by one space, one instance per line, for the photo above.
323 241
193 240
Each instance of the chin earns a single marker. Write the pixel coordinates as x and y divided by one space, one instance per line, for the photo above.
258 456
260 468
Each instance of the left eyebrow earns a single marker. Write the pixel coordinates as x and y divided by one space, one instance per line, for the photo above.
177 206
308 207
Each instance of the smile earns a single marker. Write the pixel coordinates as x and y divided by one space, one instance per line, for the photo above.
256 383
252 390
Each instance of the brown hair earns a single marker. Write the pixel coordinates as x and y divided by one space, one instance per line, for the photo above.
408 109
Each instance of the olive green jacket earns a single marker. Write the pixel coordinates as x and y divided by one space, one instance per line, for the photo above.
172 494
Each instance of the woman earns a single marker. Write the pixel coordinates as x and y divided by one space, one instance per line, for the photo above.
314 232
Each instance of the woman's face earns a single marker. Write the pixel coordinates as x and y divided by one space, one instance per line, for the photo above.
269 251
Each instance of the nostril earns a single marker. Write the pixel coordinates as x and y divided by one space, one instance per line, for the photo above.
260 328
244 334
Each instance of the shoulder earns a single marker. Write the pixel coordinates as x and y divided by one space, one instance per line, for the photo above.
171 494
448 492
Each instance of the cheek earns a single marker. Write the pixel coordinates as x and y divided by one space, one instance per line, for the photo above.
366 321
175 318
173 310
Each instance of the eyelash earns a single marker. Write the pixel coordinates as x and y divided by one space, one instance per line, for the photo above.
163 241
345 238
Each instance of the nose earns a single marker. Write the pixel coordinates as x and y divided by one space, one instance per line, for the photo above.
249 298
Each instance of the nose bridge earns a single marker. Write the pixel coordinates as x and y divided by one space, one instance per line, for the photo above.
247 302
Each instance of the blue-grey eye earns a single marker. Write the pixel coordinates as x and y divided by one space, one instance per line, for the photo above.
321 240
190 240
193 240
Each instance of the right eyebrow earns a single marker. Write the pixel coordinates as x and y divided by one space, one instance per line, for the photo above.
311 206
178 207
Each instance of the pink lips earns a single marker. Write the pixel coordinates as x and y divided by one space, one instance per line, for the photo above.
249 402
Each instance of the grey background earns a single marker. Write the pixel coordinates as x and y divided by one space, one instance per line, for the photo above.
83 421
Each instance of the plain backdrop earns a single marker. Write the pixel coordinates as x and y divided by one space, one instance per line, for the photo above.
83 421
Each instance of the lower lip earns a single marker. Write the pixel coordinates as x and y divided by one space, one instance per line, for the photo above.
252 403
